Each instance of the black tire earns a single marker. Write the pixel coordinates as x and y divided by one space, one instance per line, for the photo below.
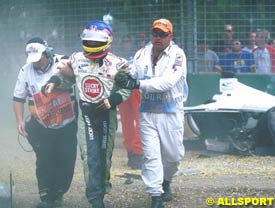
192 124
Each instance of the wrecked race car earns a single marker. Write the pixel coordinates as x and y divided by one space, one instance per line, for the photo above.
240 119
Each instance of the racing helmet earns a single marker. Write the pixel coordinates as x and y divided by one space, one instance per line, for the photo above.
96 39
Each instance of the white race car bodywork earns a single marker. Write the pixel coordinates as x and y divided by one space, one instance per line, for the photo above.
237 96
230 117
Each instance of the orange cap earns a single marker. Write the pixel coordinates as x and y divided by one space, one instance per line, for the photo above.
163 24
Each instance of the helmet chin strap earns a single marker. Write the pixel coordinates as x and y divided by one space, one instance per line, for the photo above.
100 59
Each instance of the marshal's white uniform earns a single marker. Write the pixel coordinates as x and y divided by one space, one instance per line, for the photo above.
161 113
29 83
52 125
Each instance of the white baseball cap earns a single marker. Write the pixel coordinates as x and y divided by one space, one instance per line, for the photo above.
34 51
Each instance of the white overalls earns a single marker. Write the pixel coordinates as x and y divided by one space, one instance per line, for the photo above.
161 113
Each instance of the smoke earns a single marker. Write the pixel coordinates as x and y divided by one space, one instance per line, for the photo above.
22 20
17 27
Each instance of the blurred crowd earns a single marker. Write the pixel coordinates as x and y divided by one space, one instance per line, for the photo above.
255 54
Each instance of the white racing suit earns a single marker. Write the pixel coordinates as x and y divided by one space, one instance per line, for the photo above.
95 82
161 113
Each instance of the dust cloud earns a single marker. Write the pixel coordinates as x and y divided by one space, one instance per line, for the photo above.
21 21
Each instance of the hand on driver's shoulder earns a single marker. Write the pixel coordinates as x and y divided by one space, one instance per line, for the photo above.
64 67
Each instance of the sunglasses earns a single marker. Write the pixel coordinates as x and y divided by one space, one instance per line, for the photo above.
228 30
159 34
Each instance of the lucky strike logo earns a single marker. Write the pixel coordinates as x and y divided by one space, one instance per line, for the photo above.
92 87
